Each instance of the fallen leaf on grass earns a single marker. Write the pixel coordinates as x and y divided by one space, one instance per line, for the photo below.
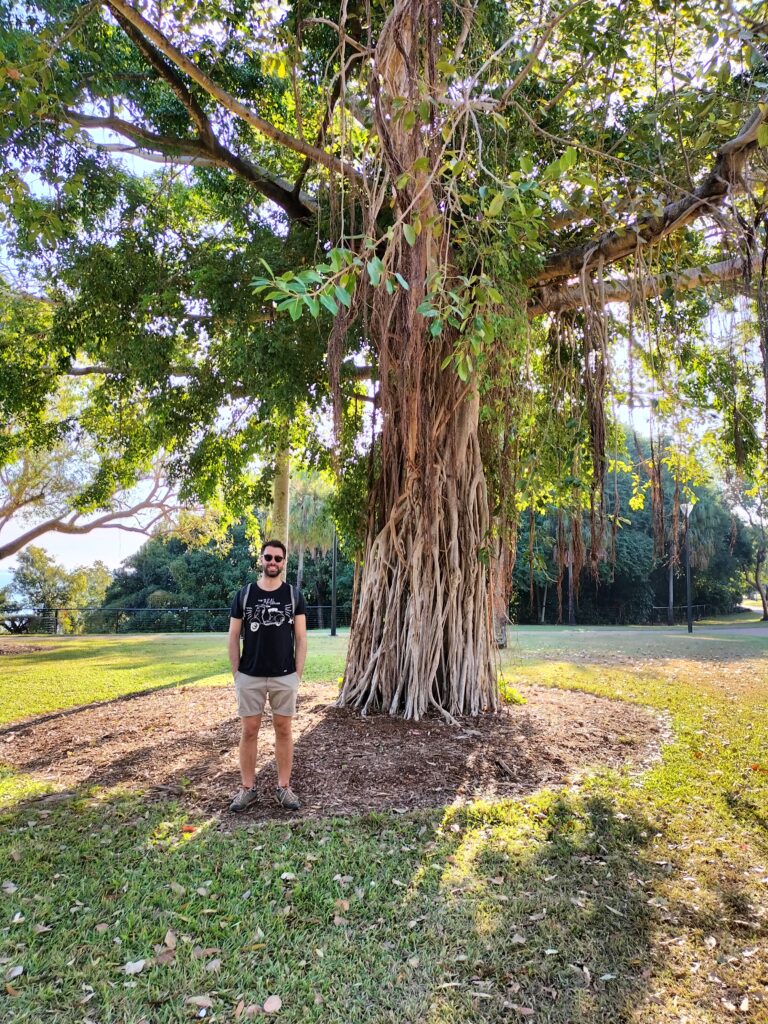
14 972
318 1000
744 1005
710 942
342 905
272 1004
40 929
213 966
203 1002
102 927
9 888
239 1009
524 1011
178 889
170 939
134 966
288 876
189 828
517 939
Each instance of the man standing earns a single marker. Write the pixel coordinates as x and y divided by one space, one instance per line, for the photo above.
271 664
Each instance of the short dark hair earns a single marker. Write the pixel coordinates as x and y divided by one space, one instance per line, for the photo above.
274 544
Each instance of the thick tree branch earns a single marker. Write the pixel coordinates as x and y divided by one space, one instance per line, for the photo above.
561 297
196 153
71 525
725 178
226 99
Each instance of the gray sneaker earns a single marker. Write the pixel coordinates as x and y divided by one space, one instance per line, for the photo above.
243 800
287 798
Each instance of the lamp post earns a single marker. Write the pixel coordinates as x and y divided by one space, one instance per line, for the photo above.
685 508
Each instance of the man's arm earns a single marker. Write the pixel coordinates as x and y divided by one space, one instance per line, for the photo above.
233 643
300 634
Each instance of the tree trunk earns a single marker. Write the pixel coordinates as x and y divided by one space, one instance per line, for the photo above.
671 594
759 585
501 573
300 566
422 639
280 497
542 616
423 632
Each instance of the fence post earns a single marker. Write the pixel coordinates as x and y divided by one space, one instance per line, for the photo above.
117 621
55 621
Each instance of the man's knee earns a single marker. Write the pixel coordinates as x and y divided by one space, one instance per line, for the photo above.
282 724
250 726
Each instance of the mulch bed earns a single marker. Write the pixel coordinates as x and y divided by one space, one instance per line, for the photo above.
18 648
182 742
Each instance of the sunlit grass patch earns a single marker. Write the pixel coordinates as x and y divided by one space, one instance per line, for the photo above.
16 787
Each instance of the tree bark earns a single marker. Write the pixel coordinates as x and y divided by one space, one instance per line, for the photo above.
281 496
423 633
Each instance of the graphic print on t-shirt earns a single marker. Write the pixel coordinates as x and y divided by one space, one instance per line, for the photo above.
267 612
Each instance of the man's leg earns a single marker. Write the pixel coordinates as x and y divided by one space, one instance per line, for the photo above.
249 739
283 749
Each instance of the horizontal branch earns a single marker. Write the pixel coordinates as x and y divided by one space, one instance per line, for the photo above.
195 152
563 297
71 524
611 246
226 99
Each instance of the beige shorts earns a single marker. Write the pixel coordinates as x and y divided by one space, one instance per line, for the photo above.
252 692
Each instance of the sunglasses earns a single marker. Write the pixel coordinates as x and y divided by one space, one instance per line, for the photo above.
273 558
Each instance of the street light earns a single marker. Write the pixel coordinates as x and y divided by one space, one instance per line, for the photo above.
686 507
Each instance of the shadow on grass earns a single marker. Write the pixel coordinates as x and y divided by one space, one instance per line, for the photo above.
475 914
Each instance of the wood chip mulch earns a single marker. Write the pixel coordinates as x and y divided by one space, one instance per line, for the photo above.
182 742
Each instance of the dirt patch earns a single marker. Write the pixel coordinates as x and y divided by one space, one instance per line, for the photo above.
11 647
183 742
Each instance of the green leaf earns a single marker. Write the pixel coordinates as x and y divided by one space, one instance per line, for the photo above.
402 282
343 296
410 234
330 303
762 135
495 206
409 120
569 158
424 110
313 306
421 165
375 270
403 180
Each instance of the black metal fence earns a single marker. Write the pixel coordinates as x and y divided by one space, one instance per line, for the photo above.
660 616
69 621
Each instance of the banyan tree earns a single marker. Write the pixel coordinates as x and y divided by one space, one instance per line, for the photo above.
478 188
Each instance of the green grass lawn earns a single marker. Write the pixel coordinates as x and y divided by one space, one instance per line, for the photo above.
627 898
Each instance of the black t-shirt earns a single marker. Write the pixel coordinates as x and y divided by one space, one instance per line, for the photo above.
268 641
